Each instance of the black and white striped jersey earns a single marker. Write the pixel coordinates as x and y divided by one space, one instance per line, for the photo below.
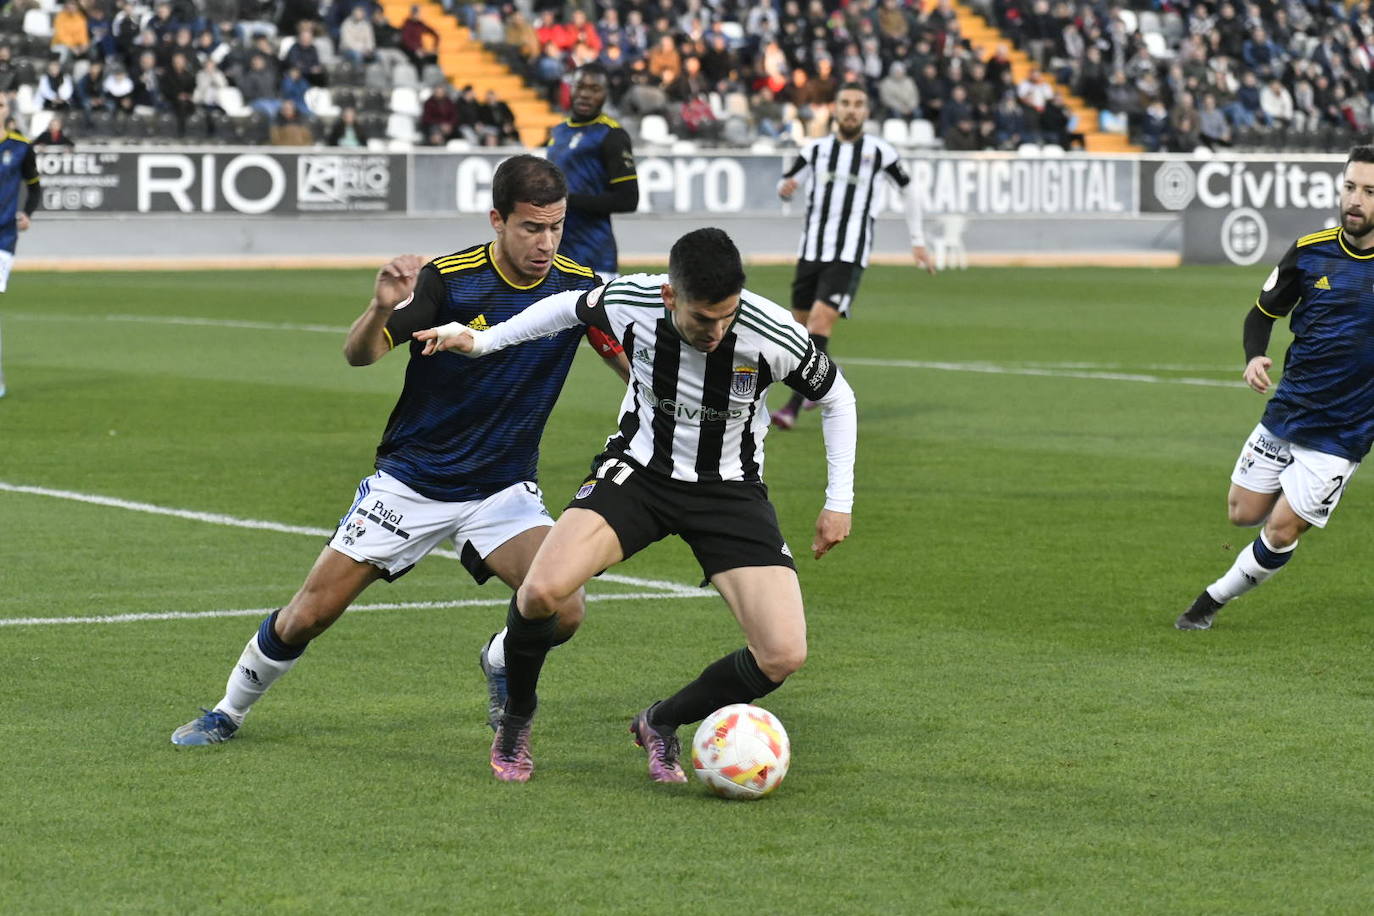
842 195
701 416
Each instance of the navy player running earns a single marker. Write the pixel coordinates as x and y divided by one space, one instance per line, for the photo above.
458 460
1319 424
593 150
18 181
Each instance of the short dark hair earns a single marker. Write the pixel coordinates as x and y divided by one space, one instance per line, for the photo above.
855 87
1360 154
526 179
705 266
593 69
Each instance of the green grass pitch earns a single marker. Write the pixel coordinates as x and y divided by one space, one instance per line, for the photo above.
997 715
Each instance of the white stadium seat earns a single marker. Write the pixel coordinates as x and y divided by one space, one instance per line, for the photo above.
231 100
922 133
895 132
400 127
38 22
320 102
654 130
39 122
405 100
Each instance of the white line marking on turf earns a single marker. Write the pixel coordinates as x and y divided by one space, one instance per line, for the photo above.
187 321
389 606
995 369
231 521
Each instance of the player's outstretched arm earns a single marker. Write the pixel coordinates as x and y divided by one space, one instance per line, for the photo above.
547 316
831 529
367 341
840 430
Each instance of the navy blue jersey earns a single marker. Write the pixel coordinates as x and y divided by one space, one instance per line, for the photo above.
594 156
18 170
1325 400
466 428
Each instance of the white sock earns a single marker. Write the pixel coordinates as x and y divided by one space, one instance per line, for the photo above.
496 652
1246 573
249 680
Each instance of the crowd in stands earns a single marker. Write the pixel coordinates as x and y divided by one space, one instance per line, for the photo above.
286 72
1177 75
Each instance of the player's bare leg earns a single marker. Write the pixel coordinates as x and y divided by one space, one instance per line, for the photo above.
578 547
510 562
767 602
334 582
820 323
1256 562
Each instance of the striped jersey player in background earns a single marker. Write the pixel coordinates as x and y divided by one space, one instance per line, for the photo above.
18 185
458 460
1319 424
844 171
687 459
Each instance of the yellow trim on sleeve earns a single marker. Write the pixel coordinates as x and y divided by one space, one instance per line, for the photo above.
390 343
16 135
624 178
568 265
1315 237
451 259
466 265
34 180
1261 308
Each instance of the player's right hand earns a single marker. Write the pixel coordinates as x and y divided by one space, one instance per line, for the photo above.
1257 373
396 280
451 336
787 188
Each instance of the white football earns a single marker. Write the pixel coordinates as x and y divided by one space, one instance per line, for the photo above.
741 751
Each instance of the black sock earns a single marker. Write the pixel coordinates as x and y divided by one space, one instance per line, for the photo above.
527 643
736 678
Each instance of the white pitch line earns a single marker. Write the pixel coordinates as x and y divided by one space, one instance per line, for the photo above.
994 369
186 321
231 521
389 606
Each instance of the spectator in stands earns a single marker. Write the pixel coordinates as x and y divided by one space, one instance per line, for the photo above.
551 29
55 90
416 39
293 88
520 35
357 40
290 128
179 88
71 37
1184 133
496 122
1154 128
643 97
1213 128
259 86
894 24
548 69
384 33
898 96
210 85
9 73
1277 103
584 31
690 83
440 113
956 111
347 132
305 56
932 91
54 134
1230 31
90 89
1091 82
120 88
1261 55
148 84
1009 122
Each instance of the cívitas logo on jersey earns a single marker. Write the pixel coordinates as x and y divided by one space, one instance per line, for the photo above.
743 381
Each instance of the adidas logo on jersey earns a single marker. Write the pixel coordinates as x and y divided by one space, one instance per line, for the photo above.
479 323
1323 283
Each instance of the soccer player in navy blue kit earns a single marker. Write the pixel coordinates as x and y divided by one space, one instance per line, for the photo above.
1319 424
593 151
18 183
459 458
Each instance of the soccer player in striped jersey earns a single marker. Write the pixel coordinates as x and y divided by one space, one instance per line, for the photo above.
687 459
1319 424
18 185
458 460
844 171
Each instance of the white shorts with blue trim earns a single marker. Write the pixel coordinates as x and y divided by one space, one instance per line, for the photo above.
393 527
1312 481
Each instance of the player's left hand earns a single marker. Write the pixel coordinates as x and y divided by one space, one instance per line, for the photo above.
831 529
22 220
451 336
923 259
396 280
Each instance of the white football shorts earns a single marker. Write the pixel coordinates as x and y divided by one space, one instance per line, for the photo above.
1313 481
392 527
6 262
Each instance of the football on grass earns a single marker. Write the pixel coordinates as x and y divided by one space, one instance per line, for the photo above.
741 752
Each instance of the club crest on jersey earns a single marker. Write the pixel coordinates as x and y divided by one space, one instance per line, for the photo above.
585 490
743 381
9 154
